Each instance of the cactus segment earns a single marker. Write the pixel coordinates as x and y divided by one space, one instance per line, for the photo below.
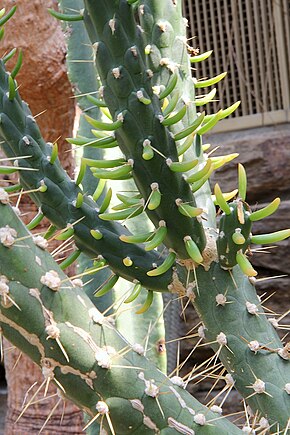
63 203
12 88
235 225
35 221
107 286
190 129
135 293
206 127
229 110
201 173
242 183
103 142
193 250
70 259
209 82
205 99
100 125
154 198
147 303
148 152
54 153
124 69
91 371
244 322
174 119
65 17
103 163
186 145
245 265
82 171
99 189
121 173
165 266
106 201
277 236
96 234
220 161
181 166
157 238
9 55
188 210
66 234
79 200
96 101
7 17
128 213
266 211
221 201
138 238
200 57
226 195
18 65
169 88
171 104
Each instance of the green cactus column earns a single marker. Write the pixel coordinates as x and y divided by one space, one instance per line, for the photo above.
226 301
83 76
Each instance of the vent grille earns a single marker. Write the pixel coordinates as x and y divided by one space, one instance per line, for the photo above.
251 41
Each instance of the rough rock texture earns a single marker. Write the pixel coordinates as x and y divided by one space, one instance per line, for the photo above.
44 85
265 153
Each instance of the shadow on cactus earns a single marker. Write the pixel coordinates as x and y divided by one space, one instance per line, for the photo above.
144 112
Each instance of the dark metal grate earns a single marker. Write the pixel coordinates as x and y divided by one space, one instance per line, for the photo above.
251 41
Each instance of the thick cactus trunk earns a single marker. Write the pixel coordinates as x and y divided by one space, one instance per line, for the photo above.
55 323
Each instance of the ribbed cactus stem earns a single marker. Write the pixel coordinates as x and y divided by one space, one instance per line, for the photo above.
49 318
121 62
58 196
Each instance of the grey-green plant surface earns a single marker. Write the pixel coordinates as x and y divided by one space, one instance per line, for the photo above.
53 321
141 57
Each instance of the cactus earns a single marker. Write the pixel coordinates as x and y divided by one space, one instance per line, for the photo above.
47 316
148 92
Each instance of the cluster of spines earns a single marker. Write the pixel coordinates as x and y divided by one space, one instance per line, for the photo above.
235 227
